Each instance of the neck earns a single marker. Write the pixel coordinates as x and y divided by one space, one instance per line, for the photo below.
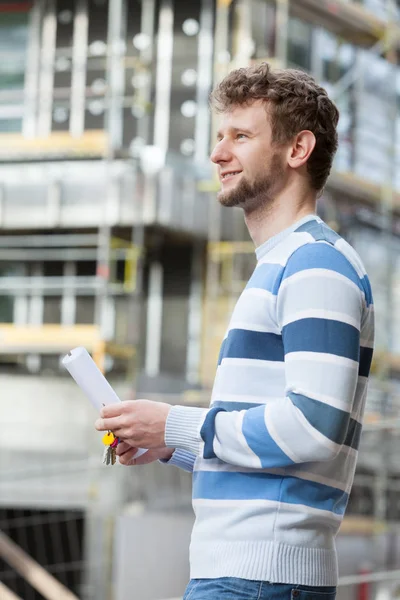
287 207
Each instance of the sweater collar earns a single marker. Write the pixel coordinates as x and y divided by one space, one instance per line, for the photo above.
267 246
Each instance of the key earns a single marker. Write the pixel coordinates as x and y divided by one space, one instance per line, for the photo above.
106 456
110 451
113 447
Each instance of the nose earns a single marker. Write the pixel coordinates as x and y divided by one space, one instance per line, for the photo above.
221 152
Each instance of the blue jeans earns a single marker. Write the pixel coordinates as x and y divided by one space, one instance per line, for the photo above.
231 588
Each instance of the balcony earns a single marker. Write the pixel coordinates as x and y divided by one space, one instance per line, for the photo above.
91 193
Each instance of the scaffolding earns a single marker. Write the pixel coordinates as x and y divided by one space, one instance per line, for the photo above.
82 167
86 83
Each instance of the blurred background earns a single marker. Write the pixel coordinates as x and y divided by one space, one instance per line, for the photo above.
112 239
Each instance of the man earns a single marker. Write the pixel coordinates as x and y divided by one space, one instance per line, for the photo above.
274 456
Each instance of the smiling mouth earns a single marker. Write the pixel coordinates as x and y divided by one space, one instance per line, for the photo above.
229 175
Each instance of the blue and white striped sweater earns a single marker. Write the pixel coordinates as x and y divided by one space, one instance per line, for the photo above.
274 456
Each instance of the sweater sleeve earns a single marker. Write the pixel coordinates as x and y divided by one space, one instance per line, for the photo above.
183 459
319 309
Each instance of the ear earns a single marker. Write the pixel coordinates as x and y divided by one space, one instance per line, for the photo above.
301 149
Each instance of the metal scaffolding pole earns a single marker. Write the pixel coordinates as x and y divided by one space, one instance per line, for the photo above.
165 44
46 85
102 510
282 26
79 64
114 123
243 45
387 211
116 44
204 82
32 71
146 60
195 315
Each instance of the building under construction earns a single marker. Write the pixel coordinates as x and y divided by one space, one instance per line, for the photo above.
112 239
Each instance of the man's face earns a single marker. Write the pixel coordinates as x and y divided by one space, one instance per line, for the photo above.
251 168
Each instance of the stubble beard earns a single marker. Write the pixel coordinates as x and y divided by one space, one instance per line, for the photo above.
253 195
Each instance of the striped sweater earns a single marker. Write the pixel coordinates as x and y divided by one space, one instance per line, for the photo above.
274 456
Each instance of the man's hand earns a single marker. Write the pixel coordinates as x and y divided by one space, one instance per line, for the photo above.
125 453
140 423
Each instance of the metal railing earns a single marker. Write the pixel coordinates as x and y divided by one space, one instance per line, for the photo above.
377 577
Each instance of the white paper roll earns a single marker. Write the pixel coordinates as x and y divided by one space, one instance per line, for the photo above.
91 380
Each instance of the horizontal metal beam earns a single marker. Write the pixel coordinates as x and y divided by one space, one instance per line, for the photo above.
48 241
14 147
32 284
359 189
351 20
48 255
48 339
56 286
57 254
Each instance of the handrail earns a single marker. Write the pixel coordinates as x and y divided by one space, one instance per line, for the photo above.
7 594
32 572
370 577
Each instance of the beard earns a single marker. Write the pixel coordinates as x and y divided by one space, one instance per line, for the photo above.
251 195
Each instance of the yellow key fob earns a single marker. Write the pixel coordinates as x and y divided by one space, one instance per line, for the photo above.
108 438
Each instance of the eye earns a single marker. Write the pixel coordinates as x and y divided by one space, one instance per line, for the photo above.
241 135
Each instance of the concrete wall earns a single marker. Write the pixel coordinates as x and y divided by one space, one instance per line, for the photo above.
151 556
51 457
50 453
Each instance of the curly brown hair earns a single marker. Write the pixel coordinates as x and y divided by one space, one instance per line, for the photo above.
295 102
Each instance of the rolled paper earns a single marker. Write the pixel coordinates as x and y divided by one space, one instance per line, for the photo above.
91 380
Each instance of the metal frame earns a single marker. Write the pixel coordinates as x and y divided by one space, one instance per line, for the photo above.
115 74
146 56
195 317
154 320
204 81
29 127
46 73
79 65
163 77
68 301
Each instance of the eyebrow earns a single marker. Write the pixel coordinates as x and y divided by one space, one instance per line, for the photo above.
236 130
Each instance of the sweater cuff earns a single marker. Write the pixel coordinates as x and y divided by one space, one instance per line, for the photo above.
183 427
182 459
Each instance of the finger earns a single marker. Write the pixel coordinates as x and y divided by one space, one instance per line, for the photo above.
111 410
112 424
127 458
115 410
124 447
